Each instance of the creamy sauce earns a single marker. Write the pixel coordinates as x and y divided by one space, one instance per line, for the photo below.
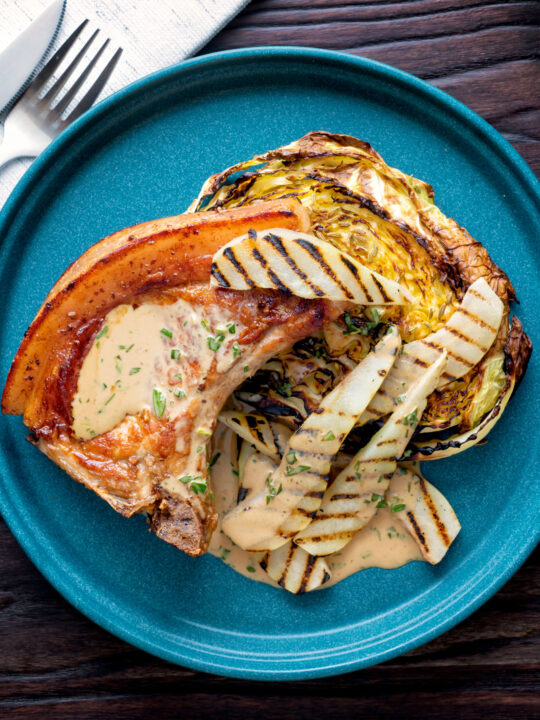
153 356
383 543
164 352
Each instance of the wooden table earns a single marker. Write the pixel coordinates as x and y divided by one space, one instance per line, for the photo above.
54 663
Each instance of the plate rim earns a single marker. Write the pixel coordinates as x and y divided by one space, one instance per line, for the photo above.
231 665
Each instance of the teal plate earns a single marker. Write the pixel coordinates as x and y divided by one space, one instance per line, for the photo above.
143 154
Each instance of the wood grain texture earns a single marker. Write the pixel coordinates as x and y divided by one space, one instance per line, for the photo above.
486 54
54 663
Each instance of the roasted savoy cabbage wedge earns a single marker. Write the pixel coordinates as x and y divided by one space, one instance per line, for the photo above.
388 222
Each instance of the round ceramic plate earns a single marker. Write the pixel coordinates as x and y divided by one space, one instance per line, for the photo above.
143 154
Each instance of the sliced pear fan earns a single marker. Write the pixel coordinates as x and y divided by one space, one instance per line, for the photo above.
271 517
296 570
356 493
302 264
425 512
467 336
269 437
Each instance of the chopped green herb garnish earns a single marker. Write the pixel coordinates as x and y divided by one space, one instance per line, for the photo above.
235 472
104 386
109 399
225 553
118 363
205 324
250 568
129 347
381 504
401 398
360 326
179 393
397 508
411 418
231 327
236 350
214 343
329 436
166 332
297 470
246 368
102 332
199 448
291 457
285 389
175 353
159 402
198 484
214 460
134 370
272 490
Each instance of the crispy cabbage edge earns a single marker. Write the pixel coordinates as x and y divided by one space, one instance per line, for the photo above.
409 204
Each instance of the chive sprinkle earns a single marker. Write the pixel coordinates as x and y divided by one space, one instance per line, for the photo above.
102 332
166 332
297 470
134 370
329 436
159 402
175 353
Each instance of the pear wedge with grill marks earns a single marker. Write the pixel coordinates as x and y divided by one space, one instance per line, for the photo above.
425 512
270 518
299 263
466 338
356 493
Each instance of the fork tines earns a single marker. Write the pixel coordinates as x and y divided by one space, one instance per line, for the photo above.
47 72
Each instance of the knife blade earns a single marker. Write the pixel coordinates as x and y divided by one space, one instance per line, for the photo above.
20 58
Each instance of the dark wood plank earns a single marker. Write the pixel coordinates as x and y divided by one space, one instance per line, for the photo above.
485 54
55 663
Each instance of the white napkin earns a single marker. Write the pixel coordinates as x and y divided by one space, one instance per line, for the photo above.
153 34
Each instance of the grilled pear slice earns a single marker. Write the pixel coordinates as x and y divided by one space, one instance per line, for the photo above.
281 259
425 512
268 437
296 570
353 498
270 518
466 338
290 566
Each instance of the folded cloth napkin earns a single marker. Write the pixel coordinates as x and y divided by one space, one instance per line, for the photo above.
153 34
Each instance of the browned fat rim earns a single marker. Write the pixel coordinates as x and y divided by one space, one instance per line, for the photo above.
55 327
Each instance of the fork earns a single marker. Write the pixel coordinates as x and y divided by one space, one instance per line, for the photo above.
34 122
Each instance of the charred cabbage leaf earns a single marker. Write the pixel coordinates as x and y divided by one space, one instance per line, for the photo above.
388 221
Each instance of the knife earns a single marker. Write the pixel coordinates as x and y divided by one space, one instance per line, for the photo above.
19 60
